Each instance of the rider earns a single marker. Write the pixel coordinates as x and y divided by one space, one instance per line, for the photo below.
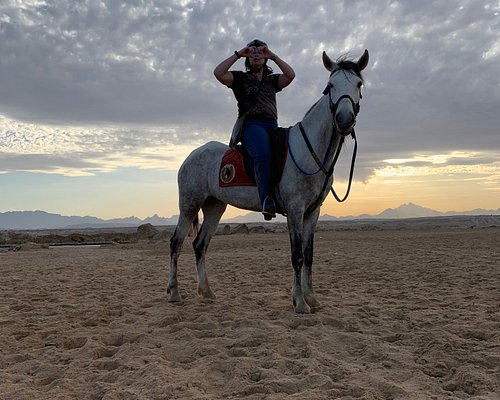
255 90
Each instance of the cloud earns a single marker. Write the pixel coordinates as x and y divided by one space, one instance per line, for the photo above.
484 168
86 150
128 80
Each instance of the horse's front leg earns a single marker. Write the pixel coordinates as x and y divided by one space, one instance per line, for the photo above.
295 227
308 241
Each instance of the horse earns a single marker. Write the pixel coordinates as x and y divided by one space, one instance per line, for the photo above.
300 192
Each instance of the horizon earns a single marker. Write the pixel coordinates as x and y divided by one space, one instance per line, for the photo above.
415 207
36 220
98 112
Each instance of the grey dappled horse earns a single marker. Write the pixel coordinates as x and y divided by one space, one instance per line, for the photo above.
299 193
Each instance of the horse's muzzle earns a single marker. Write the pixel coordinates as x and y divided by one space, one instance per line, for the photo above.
344 122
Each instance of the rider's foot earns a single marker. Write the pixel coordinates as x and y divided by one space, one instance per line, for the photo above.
268 209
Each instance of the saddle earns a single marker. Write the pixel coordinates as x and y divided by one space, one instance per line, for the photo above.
236 168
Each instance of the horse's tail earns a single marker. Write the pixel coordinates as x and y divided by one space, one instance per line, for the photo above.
195 226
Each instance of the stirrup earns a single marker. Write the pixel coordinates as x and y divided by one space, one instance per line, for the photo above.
269 212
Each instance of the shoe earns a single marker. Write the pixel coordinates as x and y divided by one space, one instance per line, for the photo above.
268 209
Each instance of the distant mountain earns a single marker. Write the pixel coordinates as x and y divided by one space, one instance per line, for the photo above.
251 217
409 210
157 220
45 220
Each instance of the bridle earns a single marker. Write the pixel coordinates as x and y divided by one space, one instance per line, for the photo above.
321 165
334 106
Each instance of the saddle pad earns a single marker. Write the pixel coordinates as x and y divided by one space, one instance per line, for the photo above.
232 171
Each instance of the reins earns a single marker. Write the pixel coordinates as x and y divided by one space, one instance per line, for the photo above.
330 171
321 165
351 172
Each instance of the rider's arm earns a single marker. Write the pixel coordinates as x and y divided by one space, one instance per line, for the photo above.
288 73
222 72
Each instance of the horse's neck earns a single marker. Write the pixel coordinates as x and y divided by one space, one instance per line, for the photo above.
318 125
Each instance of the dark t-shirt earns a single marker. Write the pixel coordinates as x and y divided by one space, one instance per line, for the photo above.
245 86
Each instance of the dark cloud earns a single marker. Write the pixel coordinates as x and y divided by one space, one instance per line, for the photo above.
431 84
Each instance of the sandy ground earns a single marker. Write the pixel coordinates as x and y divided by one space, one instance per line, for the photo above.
406 315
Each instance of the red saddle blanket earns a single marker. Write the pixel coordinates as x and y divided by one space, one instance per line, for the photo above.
232 170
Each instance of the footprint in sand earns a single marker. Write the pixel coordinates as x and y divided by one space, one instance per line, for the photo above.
104 352
113 340
47 374
107 365
74 342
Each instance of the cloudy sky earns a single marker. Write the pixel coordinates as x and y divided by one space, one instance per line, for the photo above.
100 101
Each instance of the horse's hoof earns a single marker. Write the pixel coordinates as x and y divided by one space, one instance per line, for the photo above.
302 309
312 303
173 296
206 294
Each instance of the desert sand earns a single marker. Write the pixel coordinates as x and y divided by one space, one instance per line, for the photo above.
406 314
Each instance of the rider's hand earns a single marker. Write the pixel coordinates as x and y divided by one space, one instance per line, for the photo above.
266 53
246 51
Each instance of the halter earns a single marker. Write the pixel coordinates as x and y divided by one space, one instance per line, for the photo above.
321 165
334 106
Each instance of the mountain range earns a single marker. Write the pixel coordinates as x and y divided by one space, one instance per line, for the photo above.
45 220
411 210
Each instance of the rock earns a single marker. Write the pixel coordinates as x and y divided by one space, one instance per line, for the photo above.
257 229
4 238
241 228
146 231
76 238
29 246
5 248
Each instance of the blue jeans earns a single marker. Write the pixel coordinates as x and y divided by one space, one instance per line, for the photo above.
256 142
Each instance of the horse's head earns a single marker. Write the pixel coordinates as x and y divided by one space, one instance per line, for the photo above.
344 90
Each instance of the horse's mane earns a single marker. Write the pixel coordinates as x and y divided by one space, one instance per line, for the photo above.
344 63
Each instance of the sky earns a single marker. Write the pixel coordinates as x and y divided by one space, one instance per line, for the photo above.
101 101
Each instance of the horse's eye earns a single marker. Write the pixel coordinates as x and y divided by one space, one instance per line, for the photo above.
360 84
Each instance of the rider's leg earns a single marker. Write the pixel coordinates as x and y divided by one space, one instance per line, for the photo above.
256 142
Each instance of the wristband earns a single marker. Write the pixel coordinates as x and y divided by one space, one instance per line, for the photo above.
237 54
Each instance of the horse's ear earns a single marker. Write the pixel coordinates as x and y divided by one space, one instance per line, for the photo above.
363 60
328 63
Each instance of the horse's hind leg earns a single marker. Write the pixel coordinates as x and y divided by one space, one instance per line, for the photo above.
212 213
183 227
307 285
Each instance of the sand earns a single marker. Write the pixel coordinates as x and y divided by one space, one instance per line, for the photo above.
406 315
